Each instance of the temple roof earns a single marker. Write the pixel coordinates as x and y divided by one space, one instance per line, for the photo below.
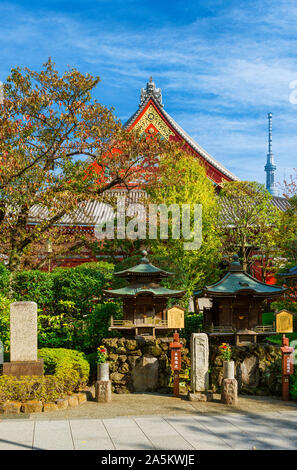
91 213
135 291
144 268
143 279
237 281
151 96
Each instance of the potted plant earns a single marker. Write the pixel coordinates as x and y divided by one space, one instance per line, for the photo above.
228 365
102 365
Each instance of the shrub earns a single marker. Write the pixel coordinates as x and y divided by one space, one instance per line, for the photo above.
4 321
35 286
62 362
46 389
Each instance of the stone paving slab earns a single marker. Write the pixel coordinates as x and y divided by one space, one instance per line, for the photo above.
175 425
199 437
161 434
133 437
53 435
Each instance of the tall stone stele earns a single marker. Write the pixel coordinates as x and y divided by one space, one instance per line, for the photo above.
199 366
23 341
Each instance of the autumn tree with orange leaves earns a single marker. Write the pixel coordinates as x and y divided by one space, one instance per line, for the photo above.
59 147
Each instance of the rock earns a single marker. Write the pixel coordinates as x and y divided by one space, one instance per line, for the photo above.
153 350
131 344
32 406
122 390
113 357
82 397
145 374
103 391
124 368
117 378
110 342
72 401
137 352
62 403
12 407
197 396
121 350
250 372
122 358
50 407
132 360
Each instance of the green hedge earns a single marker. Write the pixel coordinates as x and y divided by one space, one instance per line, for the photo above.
57 361
66 371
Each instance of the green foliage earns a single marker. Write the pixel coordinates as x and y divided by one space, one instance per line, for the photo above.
4 280
82 283
4 321
184 181
193 324
67 371
253 220
61 362
293 386
67 315
36 286
286 304
98 322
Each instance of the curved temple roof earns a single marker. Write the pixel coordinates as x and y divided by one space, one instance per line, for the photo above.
153 94
237 281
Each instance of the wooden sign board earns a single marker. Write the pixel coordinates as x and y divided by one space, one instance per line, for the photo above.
176 317
284 321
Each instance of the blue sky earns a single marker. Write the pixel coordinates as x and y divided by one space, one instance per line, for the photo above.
222 65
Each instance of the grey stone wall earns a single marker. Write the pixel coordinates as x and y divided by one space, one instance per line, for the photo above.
257 369
144 365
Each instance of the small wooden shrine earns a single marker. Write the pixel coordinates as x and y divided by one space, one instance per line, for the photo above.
237 301
145 301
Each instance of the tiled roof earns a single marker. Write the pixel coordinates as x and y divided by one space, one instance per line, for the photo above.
238 281
191 142
92 213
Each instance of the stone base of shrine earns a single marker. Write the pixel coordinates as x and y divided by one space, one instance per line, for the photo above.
23 368
229 394
103 391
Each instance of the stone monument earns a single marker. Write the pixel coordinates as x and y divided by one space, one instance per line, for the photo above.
199 367
23 341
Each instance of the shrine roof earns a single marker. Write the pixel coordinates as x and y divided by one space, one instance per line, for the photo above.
237 281
129 291
153 95
143 268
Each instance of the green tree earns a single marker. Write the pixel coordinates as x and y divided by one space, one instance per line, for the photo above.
182 181
58 149
249 223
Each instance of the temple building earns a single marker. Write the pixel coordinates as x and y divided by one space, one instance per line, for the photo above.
237 304
151 118
144 300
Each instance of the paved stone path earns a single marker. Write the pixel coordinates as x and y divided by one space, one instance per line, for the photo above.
270 430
